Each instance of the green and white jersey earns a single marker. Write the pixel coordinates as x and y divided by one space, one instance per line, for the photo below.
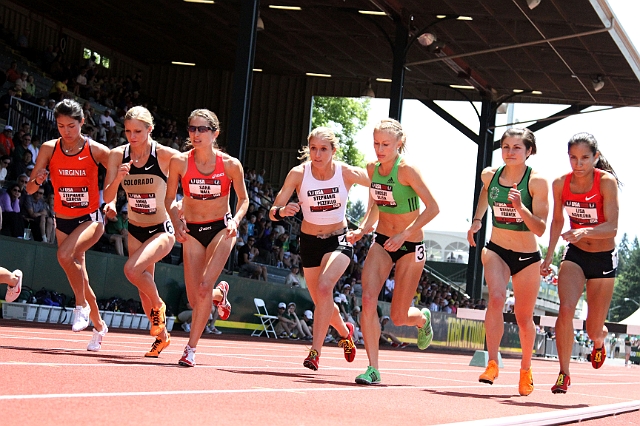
505 215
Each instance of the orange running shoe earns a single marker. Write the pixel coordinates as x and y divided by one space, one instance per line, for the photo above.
158 346
490 374
562 384
525 385
347 344
158 319
311 362
598 356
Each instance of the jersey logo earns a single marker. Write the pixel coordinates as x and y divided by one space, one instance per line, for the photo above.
494 193
82 158
403 248
390 180
526 258
588 198
607 272
148 168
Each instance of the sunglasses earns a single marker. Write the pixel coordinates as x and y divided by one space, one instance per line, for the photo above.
40 193
201 129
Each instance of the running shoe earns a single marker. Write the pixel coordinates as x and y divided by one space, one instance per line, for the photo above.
562 384
525 386
188 357
490 374
186 327
347 344
14 292
224 307
215 330
403 345
158 347
80 318
311 362
158 320
96 340
370 377
598 356
425 333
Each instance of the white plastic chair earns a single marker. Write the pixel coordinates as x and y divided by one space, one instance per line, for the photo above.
268 321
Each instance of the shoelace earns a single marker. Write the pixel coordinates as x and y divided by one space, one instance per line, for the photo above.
155 316
155 345
346 344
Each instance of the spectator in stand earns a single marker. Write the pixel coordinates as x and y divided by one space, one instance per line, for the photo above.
34 147
293 279
106 118
5 162
5 104
307 318
185 316
12 222
59 89
389 286
116 231
6 141
21 83
246 255
38 211
80 87
12 73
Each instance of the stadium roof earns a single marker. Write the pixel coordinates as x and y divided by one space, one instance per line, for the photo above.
505 46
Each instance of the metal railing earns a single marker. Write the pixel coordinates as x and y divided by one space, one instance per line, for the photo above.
41 119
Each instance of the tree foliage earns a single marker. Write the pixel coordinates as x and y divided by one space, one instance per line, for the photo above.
627 281
345 116
557 256
356 211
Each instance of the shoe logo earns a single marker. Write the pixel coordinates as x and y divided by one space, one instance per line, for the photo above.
390 180
526 258
82 158
148 168
588 198
607 272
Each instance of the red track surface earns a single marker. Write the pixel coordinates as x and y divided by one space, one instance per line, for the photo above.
48 377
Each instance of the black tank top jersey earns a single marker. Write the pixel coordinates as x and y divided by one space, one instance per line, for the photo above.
146 187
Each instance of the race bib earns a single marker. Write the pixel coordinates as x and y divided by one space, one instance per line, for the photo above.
420 253
205 189
581 213
383 194
505 213
74 197
143 203
324 200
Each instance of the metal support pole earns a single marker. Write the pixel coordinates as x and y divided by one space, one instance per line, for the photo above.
485 155
397 76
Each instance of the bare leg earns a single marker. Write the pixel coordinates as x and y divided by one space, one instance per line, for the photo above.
496 273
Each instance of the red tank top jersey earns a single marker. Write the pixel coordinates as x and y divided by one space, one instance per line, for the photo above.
205 187
75 181
584 210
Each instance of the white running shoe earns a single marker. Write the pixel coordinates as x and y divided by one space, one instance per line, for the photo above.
188 357
96 340
80 318
14 292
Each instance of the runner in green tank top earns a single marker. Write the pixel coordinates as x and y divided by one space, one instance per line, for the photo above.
517 197
396 188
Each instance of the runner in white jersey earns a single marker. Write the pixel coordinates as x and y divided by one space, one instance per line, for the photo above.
141 168
322 185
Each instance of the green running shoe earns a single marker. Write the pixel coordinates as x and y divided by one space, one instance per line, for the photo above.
370 377
425 334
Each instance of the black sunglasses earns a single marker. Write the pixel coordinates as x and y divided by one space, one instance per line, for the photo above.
201 129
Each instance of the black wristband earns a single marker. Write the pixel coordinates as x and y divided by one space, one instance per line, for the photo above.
277 214
479 220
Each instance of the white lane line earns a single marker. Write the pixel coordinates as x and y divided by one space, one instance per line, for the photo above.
256 390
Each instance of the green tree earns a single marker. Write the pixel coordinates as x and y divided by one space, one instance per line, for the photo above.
557 256
628 280
345 116
356 210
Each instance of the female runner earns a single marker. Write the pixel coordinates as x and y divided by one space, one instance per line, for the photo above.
73 161
322 185
395 194
141 168
518 200
209 232
589 195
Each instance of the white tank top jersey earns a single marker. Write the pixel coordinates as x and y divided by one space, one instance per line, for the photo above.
323 202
